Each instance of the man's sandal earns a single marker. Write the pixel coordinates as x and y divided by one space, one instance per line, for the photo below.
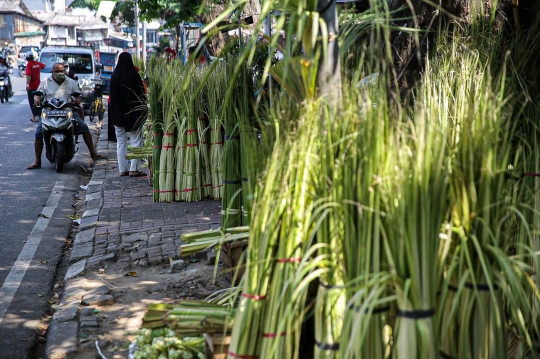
34 166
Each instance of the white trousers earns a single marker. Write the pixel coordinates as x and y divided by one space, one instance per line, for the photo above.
121 148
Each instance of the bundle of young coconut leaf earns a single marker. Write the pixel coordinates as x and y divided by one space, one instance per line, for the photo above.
189 317
199 241
398 231
237 110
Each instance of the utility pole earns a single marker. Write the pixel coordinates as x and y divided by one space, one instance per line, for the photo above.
136 30
144 42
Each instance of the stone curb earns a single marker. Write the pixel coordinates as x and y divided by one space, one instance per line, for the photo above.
63 332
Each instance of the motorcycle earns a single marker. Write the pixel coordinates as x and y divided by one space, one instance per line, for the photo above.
5 92
58 127
22 68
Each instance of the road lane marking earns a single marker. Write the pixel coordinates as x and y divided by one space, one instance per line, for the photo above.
16 275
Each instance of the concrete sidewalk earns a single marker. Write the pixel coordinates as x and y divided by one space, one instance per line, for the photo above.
121 226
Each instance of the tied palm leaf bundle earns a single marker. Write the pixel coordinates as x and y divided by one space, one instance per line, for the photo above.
170 99
206 174
191 182
216 86
156 69
239 97
180 155
192 318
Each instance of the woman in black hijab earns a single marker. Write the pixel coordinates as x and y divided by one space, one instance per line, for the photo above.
127 111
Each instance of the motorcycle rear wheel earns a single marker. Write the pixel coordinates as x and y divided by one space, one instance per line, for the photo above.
5 95
59 157
22 73
92 113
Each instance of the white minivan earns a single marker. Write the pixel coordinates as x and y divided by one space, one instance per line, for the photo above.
81 61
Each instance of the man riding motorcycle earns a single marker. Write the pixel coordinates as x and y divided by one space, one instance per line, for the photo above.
5 67
58 85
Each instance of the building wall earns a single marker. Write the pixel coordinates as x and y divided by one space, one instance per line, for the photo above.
7 27
24 24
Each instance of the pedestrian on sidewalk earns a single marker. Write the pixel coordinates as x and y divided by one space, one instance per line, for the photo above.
33 72
127 111
58 85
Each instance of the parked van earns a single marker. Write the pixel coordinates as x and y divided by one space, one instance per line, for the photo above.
81 61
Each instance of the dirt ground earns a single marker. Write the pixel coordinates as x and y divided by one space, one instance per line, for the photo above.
133 289
119 322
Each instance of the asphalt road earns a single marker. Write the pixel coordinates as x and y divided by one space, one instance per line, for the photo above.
34 210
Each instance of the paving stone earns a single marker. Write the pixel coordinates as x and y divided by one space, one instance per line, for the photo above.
81 251
114 238
156 259
62 339
136 255
170 254
93 196
94 188
88 222
86 311
154 239
67 311
142 262
91 212
92 183
94 203
89 324
134 237
88 318
102 289
152 251
76 269
100 259
98 300
85 236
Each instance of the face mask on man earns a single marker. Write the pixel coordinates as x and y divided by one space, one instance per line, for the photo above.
59 76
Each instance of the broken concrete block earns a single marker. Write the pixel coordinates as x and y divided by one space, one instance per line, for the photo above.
178 264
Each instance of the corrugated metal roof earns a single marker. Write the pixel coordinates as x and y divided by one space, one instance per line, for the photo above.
15 6
66 19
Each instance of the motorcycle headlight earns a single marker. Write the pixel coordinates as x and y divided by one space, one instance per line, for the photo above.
1 83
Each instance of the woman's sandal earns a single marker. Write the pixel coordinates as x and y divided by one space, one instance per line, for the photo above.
137 174
99 156
124 174
34 120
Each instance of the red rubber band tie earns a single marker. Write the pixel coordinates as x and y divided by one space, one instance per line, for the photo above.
531 174
289 260
168 134
191 145
241 356
274 335
191 131
253 296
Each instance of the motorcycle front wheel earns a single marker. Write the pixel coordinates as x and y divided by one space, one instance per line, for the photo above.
6 93
22 73
60 155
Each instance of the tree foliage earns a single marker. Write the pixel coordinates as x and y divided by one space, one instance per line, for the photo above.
174 12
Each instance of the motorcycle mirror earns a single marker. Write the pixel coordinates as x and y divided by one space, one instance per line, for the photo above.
37 93
76 94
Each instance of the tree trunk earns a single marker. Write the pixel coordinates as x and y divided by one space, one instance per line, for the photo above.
329 73
409 50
